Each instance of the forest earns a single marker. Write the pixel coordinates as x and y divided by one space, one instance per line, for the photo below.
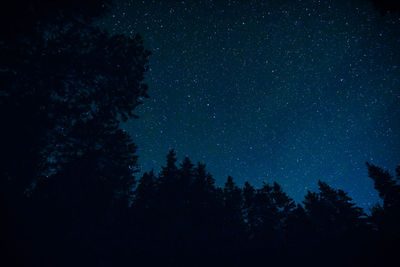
69 190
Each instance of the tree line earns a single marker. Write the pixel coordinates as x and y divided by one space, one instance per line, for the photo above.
69 195
178 217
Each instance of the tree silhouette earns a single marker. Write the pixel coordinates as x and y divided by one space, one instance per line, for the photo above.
267 211
145 193
67 169
233 228
387 217
336 224
204 208
248 202
68 194
72 86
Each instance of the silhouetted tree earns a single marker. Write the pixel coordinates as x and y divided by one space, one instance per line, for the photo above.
233 227
204 209
170 171
66 166
144 215
336 224
67 186
386 217
333 209
145 193
248 202
267 216
297 227
77 80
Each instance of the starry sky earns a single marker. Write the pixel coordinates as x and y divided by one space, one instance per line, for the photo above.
286 91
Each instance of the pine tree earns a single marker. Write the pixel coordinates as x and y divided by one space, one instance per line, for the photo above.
386 185
145 193
387 217
233 224
170 171
332 211
248 198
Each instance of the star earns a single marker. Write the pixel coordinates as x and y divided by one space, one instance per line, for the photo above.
298 93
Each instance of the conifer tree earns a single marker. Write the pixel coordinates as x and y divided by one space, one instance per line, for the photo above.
233 227
386 217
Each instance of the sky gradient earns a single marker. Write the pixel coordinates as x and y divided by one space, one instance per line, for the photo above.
286 91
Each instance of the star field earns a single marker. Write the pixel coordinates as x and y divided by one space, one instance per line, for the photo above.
286 91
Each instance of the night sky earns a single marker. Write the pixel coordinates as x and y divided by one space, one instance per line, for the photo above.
286 91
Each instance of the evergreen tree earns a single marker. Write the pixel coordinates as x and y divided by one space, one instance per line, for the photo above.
170 171
386 185
186 176
233 227
387 217
143 223
332 211
337 225
264 218
145 193
248 201
203 195
207 206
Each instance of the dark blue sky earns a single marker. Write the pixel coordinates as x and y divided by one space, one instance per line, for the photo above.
291 91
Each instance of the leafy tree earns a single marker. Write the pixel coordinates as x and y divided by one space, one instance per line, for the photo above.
65 85
84 77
